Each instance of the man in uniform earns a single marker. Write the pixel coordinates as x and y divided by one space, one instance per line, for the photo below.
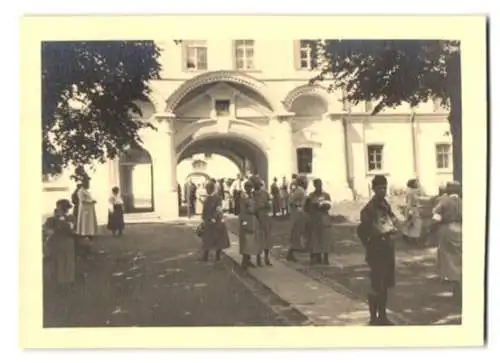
377 232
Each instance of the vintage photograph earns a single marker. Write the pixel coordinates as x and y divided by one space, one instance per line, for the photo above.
251 182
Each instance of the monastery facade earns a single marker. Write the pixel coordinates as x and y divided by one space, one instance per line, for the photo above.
250 101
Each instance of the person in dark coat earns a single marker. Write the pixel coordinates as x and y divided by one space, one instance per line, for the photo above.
377 232
215 236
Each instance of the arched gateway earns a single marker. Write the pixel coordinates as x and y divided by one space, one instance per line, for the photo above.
226 113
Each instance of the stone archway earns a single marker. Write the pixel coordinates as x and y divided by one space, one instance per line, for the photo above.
242 152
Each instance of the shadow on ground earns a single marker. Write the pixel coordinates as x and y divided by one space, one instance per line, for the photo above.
420 297
151 277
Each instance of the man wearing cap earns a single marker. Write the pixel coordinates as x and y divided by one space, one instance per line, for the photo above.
377 231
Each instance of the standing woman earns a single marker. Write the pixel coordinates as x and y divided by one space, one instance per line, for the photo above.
298 237
448 217
59 233
116 223
262 202
412 227
248 223
317 205
86 225
215 236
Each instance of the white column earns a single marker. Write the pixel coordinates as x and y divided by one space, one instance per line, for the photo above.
164 169
282 155
333 169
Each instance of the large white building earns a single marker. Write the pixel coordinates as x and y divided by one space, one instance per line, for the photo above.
250 101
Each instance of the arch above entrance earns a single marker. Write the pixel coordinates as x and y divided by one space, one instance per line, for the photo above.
221 76
237 129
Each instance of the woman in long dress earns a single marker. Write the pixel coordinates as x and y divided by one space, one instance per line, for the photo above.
116 222
247 230
60 246
448 217
319 228
262 204
412 226
86 225
298 236
215 236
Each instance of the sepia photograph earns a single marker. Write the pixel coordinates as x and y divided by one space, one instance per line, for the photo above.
252 181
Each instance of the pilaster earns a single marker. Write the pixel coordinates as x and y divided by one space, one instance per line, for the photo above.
162 149
282 155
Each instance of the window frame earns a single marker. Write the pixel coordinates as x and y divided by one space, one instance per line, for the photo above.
304 45
298 159
241 44
449 153
382 157
195 45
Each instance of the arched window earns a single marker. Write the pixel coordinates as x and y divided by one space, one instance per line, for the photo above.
304 160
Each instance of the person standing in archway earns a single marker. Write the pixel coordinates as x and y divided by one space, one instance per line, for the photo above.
236 193
215 235
319 228
275 194
263 229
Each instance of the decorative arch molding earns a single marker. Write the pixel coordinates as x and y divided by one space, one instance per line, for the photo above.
239 129
220 76
307 90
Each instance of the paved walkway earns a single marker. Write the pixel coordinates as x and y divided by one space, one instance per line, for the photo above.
419 298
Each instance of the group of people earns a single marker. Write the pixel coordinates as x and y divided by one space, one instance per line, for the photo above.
310 228
66 235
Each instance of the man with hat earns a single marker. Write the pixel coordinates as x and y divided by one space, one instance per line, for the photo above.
377 232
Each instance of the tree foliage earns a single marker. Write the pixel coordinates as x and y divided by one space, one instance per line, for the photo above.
88 95
393 72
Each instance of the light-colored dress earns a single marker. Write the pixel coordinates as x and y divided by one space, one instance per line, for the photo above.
262 202
412 226
284 195
248 224
319 223
298 236
449 235
61 247
201 194
86 224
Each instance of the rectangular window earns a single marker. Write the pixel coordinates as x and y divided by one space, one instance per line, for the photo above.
375 157
222 108
244 54
443 156
304 160
307 60
196 55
